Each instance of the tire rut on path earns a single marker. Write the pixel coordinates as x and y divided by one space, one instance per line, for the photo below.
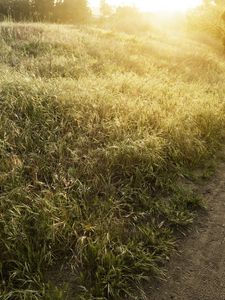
198 271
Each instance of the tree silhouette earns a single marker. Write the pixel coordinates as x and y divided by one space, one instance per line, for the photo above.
74 11
69 11
105 9
43 9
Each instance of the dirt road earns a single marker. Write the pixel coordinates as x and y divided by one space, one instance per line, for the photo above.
198 271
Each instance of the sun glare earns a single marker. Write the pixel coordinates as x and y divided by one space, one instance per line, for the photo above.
154 5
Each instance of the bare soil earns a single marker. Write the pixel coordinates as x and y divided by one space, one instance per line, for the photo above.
197 271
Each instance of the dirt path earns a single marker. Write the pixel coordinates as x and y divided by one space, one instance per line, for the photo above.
198 271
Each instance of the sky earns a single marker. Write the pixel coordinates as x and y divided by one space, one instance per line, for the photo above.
153 5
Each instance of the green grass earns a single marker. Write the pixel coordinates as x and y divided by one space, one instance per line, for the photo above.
96 129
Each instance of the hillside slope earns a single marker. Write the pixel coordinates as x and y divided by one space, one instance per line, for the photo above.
96 128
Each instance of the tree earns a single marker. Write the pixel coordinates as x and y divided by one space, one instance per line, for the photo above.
70 11
220 2
42 9
73 11
130 11
17 9
4 8
105 9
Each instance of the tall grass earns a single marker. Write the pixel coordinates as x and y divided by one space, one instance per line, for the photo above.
95 130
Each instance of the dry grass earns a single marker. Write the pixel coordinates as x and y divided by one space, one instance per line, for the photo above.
95 129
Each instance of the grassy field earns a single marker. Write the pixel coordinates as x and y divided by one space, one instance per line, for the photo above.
96 129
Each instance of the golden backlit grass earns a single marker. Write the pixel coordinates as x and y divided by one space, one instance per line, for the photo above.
95 129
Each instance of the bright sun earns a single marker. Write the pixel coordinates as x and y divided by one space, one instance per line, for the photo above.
154 5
